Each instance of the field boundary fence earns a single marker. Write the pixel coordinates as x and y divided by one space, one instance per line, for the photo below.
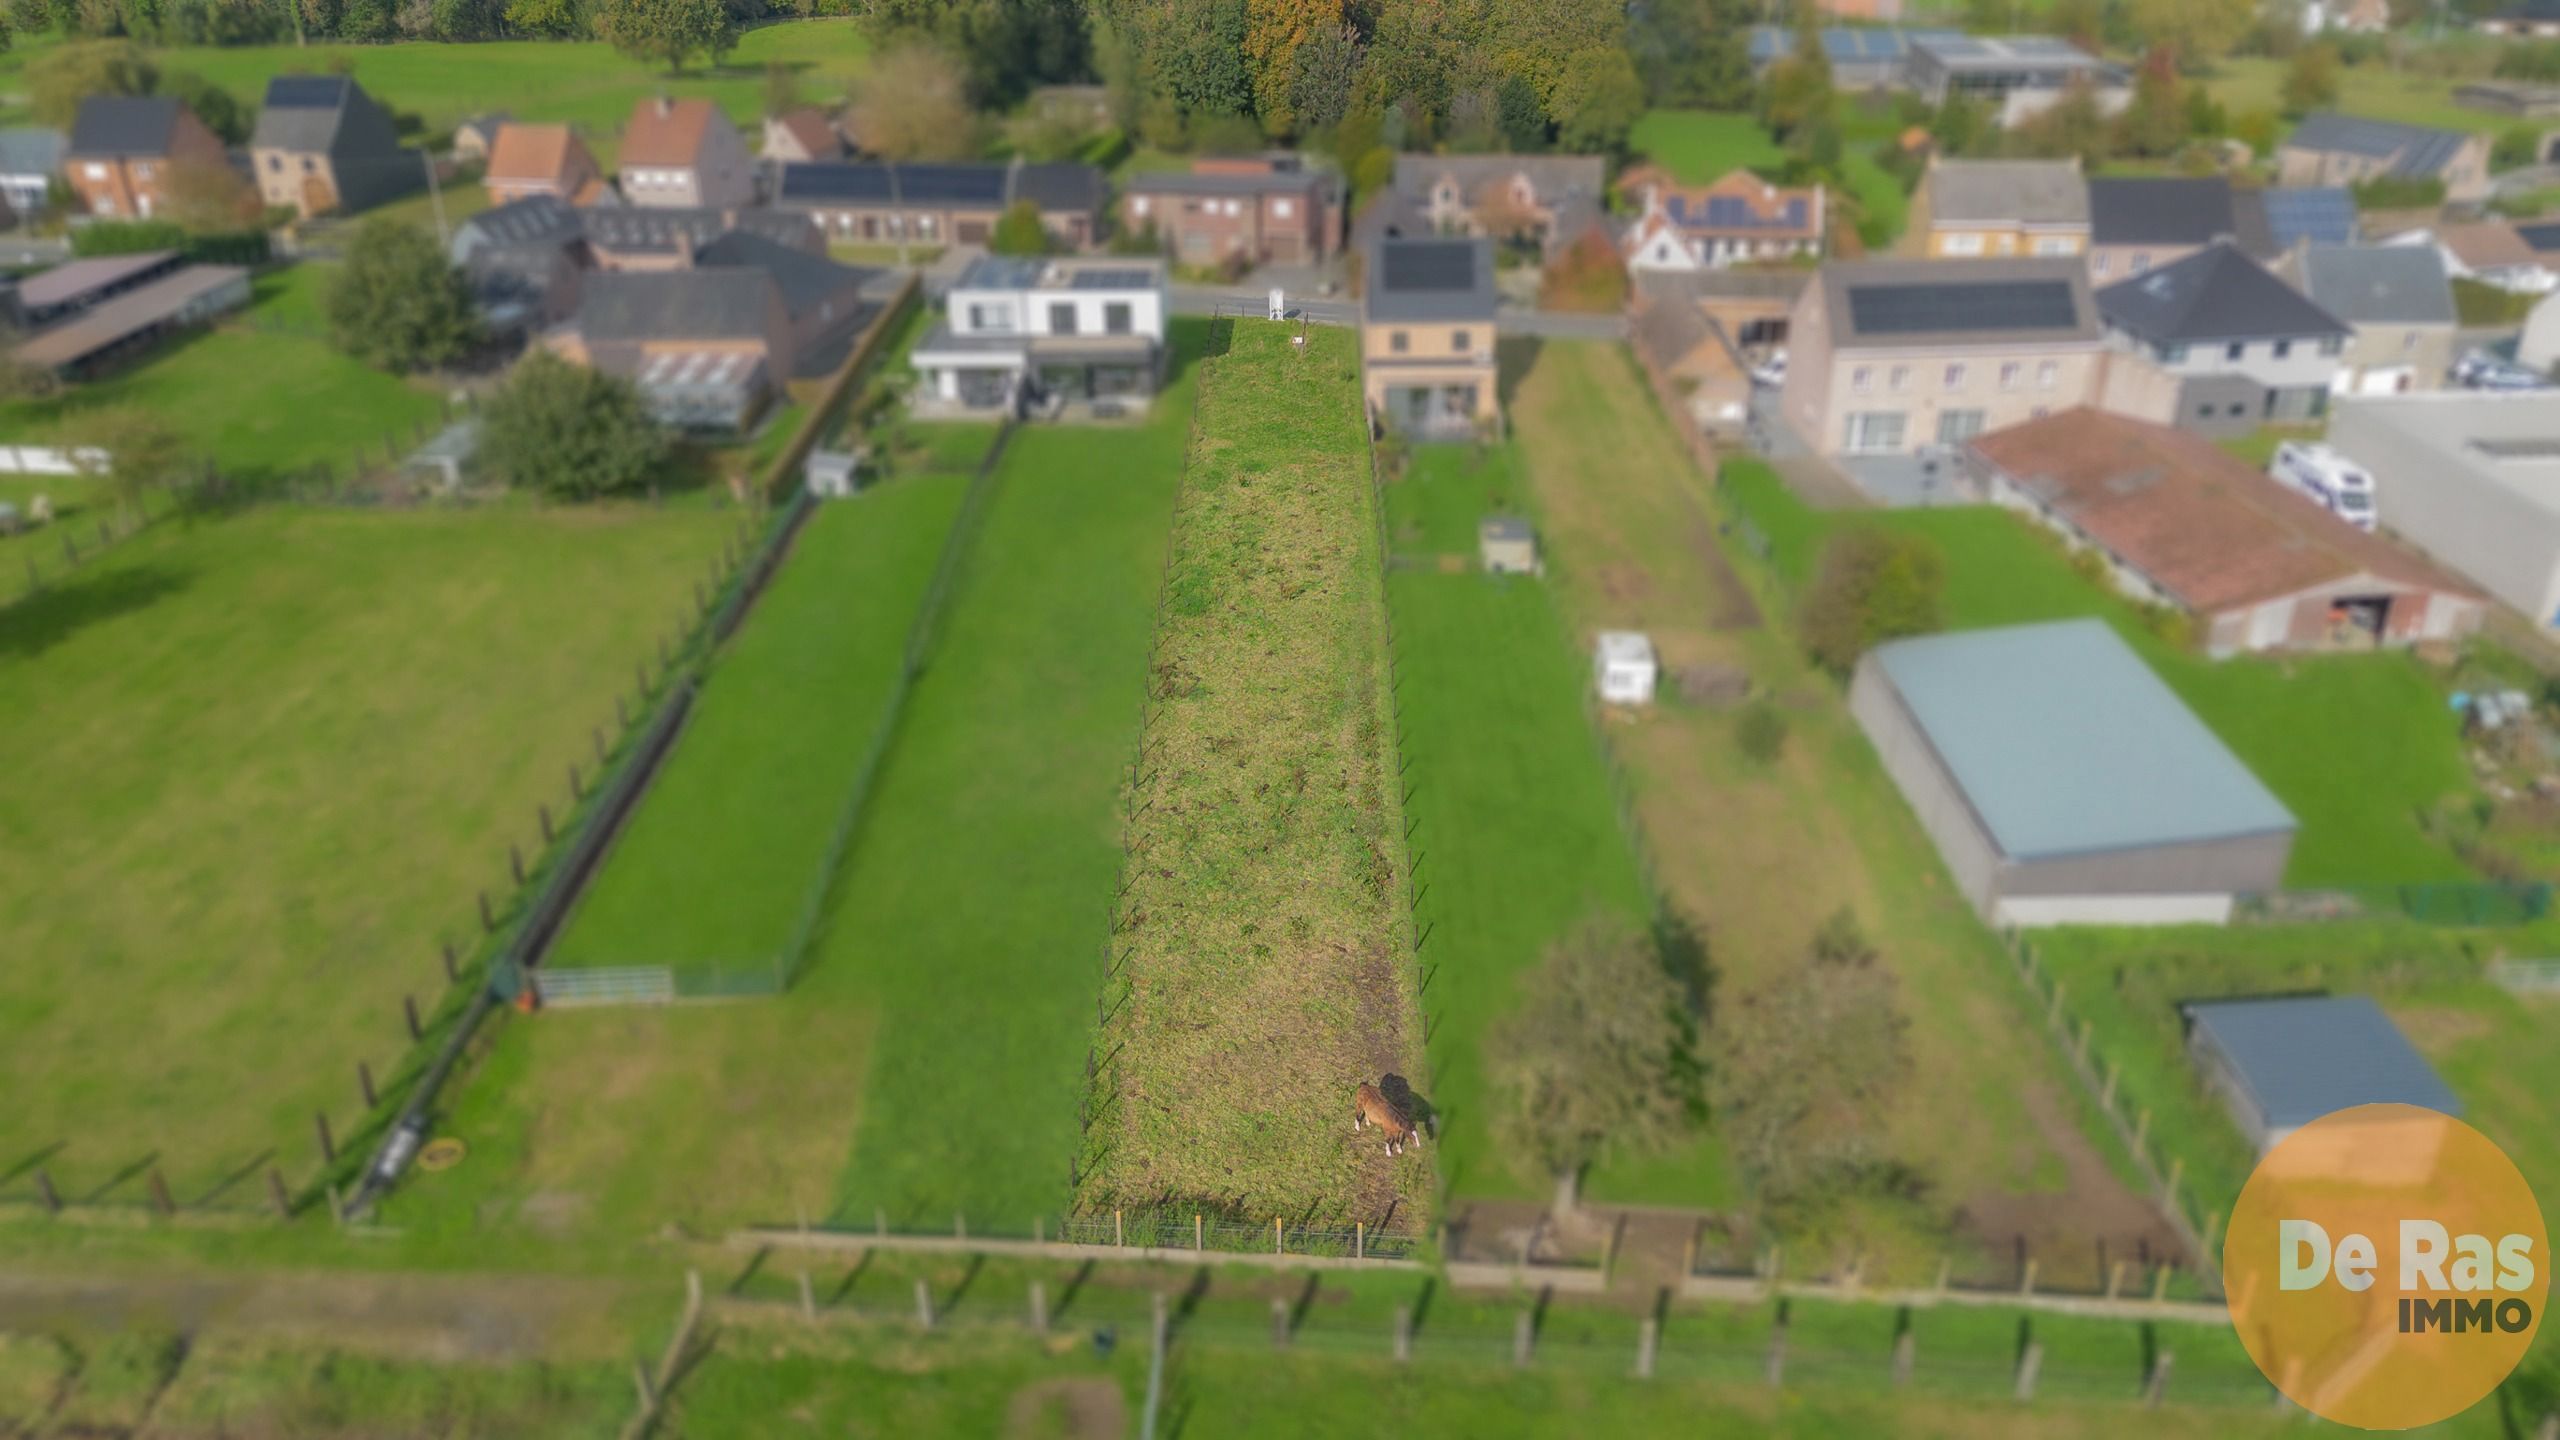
122 523
2436 903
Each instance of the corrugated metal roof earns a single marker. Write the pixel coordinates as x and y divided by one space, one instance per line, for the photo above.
2302 1057
2065 743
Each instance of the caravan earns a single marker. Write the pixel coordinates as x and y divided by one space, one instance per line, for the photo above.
2337 483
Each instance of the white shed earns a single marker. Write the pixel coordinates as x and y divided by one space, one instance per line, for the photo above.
834 474
1624 668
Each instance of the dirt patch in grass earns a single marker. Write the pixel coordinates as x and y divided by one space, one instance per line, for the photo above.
1068 1408
2076 1235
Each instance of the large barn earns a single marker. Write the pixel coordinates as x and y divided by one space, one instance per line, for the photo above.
2063 782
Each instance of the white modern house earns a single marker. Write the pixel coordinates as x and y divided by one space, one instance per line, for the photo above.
1041 336
2216 343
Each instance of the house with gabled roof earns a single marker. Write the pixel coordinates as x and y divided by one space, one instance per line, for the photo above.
2217 343
2139 223
2540 18
1984 209
124 147
2333 149
2399 301
684 154
323 146
30 156
527 160
1427 311
799 135
943 204
1545 201
1276 209
1050 336
1739 218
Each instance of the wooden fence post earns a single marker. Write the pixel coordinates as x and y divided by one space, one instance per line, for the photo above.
1119 1235
1777 1363
515 863
1404 1334
808 1297
409 1008
452 964
328 1147
2141 1131
51 1197
2160 1284
1276 1246
2107 1092
1523 1332
924 1303
1039 1308
1648 1341
1906 1350
2115 1279
2027 1278
543 812
2157 1383
2029 1364
1279 1323
278 1195
364 1082
488 922
160 1196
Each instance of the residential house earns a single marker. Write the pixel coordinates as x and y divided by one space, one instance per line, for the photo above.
2538 18
2016 77
2272 220
2497 253
2141 223
1699 332
636 239
1263 210
800 135
1738 218
2333 149
1427 336
1047 336
1890 357
1541 201
2398 301
528 160
123 148
2182 522
2349 17
1983 209
524 260
30 157
476 136
323 146
2474 479
953 204
684 154
2216 343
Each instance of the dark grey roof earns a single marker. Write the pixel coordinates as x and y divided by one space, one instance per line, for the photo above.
636 305
124 125
1430 279
2065 743
2302 1057
2546 12
2545 237
533 220
652 230
2215 294
2032 192
1937 303
2320 214
1843 44
2416 151
303 112
2380 284
1062 186
1059 186
805 280
1257 182
30 150
2160 211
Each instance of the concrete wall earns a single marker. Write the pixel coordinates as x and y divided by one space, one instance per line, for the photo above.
2009 385
2380 356
1923 779
2463 518
2028 912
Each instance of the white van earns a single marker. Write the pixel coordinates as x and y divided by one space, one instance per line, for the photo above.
2338 483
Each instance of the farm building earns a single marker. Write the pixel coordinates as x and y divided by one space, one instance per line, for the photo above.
2472 478
2063 783
2281 1062
2182 522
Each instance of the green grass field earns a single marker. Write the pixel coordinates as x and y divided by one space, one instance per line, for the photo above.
1698 146
1516 824
583 82
2357 788
219 390
258 767
2247 82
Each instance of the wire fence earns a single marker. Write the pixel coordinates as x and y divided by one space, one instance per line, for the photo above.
2434 903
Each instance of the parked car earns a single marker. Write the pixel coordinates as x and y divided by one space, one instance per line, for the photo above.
1771 372
2481 370
2342 487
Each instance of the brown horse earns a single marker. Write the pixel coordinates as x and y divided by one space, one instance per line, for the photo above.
1370 1106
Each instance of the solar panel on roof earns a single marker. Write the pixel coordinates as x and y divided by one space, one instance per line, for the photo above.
1431 265
2541 237
303 92
2322 216
1917 309
1109 280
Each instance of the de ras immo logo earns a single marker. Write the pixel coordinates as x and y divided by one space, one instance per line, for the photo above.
2386 1266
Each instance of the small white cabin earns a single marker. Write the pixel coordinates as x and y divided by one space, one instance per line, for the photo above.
1624 668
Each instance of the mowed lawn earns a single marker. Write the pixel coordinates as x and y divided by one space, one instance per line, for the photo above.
257 403
1515 824
257 768
2249 82
1699 146
714 869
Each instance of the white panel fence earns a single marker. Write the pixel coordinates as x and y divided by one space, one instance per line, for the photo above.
43 460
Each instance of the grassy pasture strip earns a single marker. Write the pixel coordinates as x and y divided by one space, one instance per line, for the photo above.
1262 940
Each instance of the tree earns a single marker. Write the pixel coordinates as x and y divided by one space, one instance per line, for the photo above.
2155 122
1593 1054
1002 47
2311 81
2072 125
670 30
1798 91
1692 52
2200 32
1322 74
1475 122
30 17
1588 276
1960 123
397 303
1873 585
551 19
211 103
1598 100
913 104
573 433
1273 34
211 199
1806 1066
58 80
2082 22
1522 119
132 450
1019 231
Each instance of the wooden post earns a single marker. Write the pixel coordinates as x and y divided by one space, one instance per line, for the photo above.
596 731
2053 1011
1777 1366
515 862
1199 1233
1523 1332
1648 1341
543 810
1404 1334
488 922
1119 1234
2157 1383
51 1197
924 1303
2177 1172
278 1195
409 1008
1906 1349
337 1206
2160 1285
1276 1246
1039 1308
2115 1279
2141 1130
2029 1364
2027 1278
160 1198
1359 1239
1279 1323
328 1147
364 1082
808 1298
2107 1092
452 964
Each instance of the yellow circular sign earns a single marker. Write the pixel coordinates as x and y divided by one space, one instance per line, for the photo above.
442 1153
2386 1266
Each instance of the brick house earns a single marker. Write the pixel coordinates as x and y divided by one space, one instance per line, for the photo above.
1266 210
684 154
123 148
527 160
953 204
1546 201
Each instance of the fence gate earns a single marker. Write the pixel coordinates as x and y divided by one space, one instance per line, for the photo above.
606 985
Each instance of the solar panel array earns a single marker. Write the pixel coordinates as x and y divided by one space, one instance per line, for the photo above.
1114 279
1924 307
2545 236
304 92
1447 265
2322 216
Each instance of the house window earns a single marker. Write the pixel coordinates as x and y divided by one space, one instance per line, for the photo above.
1115 318
309 165
2333 347
2009 373
1957 426
2408 341
275 164
141 169
2235 350
2283 348
2053 245
2039 412
1458 342
1062 318
1955 377
2141 261
2098 264
1898 378
2238 409
2047 372
2173 354
1862 380
1874 430
94 172
1282 209
1963 242
1137 204
1399 342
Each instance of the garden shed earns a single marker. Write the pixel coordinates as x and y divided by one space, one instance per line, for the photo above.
2063 782
2281 1062
1624 668
1505 546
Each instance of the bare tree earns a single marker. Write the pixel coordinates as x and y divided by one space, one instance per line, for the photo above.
913 104
1806 1064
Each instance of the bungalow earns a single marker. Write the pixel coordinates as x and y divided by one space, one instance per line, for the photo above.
2218 344
954 204
123 148
1264 210
1542 201
2399 303
528 160
1427 313
1038 334
1890 357
2183 523
30 158
324 147
1738 218
1981 209
2333 149
2139 224
684 154
800 135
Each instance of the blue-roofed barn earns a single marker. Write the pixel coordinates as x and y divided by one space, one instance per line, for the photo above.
2063 782
2281 1062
